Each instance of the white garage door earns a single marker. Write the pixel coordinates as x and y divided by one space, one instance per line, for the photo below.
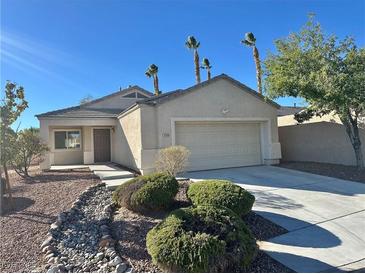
220 144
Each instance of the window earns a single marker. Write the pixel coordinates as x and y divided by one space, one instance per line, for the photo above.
69 139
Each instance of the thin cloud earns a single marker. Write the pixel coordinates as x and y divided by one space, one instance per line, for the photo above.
36 58
35 49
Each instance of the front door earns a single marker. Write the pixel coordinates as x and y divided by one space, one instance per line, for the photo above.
101 145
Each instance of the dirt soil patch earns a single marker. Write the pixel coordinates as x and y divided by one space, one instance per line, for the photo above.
130 230
337 171
37 202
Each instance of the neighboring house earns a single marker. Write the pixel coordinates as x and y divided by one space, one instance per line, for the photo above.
286 110
221 121
321 139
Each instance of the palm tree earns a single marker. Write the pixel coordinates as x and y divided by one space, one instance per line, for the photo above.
152 72
192 43
206 65
250 41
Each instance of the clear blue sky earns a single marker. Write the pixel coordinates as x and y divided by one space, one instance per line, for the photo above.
64 50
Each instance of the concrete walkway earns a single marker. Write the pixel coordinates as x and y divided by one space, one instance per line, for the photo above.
110 174
325 216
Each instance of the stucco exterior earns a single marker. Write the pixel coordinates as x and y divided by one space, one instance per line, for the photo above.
219 101
321 139
84 155
128 144
145 127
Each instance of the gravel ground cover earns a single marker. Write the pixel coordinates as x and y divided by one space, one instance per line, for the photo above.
80 240
130 230
37 202
337 171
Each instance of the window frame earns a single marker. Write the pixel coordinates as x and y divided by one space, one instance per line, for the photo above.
67 148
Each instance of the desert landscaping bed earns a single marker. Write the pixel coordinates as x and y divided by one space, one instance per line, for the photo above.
129 229
332 170
37 202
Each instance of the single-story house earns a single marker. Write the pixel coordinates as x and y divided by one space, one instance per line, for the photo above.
221 121
321 139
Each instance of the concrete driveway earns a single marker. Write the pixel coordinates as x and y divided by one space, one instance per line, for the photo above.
325 216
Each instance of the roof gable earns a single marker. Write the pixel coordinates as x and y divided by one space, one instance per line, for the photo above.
121 94
155 100
107 106
173 94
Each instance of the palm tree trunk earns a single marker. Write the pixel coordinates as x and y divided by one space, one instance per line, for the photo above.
155 84
258 69
208 71
197 67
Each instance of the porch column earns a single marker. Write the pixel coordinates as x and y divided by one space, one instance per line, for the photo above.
88 145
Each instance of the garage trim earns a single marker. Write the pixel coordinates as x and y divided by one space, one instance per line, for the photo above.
264 123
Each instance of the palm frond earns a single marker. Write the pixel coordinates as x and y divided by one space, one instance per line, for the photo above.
192 43
250 37
153 68
206 63
247 43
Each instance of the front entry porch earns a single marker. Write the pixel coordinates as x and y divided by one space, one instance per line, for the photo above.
111 174
78 144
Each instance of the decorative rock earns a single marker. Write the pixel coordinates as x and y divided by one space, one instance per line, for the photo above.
81 237
104 228
50 255
53 269
47 242
117 260
49 252
106 242
121 268
54 226
61 267
61 218
48 248
69 267
99 256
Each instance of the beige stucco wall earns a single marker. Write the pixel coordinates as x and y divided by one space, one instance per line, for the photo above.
318 142
138 134
127 144
84 155
207 103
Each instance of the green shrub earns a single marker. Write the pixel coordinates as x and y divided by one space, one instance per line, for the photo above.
221 193
122 195
149 192
201 239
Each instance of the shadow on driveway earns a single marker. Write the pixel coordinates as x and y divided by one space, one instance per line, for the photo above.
319 237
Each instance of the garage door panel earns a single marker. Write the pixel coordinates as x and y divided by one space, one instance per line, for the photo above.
218 145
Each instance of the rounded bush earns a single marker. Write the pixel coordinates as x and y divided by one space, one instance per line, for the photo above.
149 192
221 193
122 195
201 239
